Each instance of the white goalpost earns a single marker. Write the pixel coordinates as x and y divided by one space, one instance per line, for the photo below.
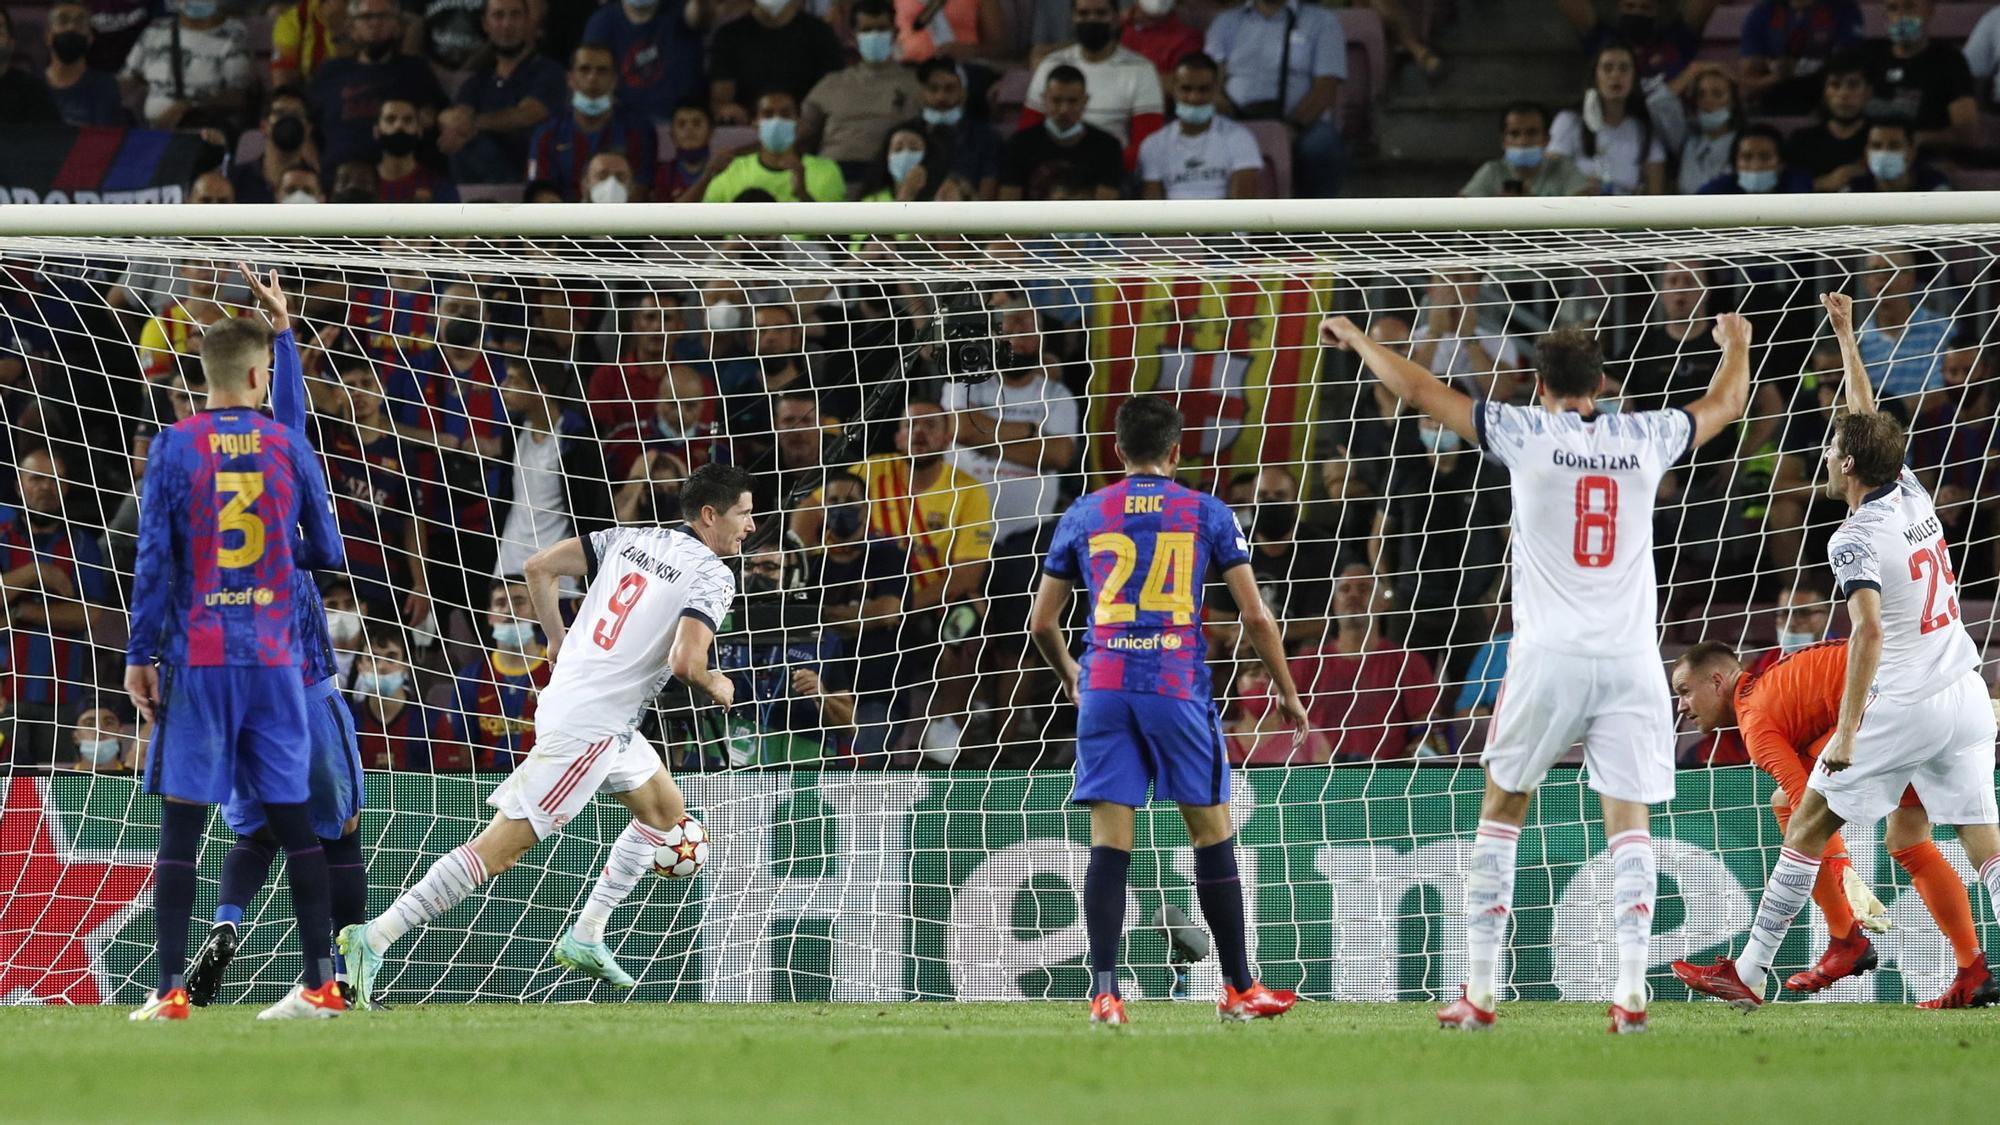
919 390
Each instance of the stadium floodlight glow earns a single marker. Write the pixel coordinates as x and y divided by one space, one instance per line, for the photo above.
642 325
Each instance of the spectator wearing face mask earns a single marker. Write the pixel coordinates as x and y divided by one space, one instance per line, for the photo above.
684 178
99 743
1920 79
1833 149
344 628
1758 166
1802 617
401 176
1294 570
954 145
300 185
657 44
1891 157
511 90
348 91
491 717
778 166
795 702
1374 699
777 47
626 389
1786 43
608 179
83 94
1126 99
1063 147
594 122
861 578
288 144
903 173
1153 29
1201 155
848 114
1711 135
193 69
1524 166
392 726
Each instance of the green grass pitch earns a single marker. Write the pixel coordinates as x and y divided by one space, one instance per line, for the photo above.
1033 1062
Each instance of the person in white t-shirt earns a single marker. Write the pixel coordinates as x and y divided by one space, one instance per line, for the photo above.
654 598
1125 96
1447 340
1018 435
538 515
1202 155
1614 138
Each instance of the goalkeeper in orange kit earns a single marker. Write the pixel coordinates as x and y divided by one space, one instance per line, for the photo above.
1785 716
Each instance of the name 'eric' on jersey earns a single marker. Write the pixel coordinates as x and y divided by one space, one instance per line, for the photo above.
1583 521
1143 547
642 581
1893 543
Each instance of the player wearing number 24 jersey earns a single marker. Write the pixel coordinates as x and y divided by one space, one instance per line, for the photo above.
1913 707
653 600
1143 547
1584 664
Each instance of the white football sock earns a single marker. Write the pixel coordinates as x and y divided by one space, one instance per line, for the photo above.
1785 895
631 858
445 885
1635 883
1989 874
1489 899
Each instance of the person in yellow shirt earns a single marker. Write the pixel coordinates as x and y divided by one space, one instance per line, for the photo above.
176 331
303 36
778 167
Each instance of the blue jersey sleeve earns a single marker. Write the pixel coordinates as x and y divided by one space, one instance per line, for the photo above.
152 573
318 528
288 383
1063 561
1227 548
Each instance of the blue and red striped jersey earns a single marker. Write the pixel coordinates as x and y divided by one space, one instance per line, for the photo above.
225 491
493 708
1143 547
288 406
52 664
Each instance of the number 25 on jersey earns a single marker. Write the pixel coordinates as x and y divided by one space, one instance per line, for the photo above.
1934 563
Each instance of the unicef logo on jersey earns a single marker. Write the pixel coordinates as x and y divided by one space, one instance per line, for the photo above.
253 595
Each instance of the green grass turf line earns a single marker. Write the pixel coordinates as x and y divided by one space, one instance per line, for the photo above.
1037 1062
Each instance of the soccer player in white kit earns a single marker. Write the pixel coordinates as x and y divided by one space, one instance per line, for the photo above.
1914 710
654 599
1585 662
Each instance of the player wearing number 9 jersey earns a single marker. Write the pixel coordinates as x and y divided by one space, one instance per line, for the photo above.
1913 708
1585 663
217 673
1143 547
653 601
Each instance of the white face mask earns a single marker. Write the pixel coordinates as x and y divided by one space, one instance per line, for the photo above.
98 751
773 7
724 316
611 189
515 635
343 625
300 197
1156 7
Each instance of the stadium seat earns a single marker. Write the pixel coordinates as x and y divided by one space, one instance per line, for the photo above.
250 147
1010 93
1363 28
1954 22
1274 141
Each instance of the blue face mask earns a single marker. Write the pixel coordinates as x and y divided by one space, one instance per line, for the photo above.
1523 156
1908 29
1759 182
1196 115
199 9
98 751
1712 119
384 684
777 134
516 635
1887 165
1438 440
589 106
950 116
902 162
875 46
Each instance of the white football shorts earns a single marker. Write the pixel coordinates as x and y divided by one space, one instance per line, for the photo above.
562 773
1941 746
1619 706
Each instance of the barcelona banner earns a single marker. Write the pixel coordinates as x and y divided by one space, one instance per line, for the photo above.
1240 357
96 164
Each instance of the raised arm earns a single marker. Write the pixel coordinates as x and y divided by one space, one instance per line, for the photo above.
1262 629
288 379
1729 388
1859 394
1407 380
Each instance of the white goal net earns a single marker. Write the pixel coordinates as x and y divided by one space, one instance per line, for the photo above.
888 801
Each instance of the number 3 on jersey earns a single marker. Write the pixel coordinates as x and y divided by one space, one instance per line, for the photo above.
1169 584
1934 563
622 600
1596 538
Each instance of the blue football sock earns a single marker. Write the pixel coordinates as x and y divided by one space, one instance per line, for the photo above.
173 887
305 863
1221 893
1104 914
244 872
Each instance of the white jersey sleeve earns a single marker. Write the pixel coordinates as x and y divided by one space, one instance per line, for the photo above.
1583 521
1893 543
642 581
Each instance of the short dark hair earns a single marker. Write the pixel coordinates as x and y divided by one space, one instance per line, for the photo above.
1198 60
1536 108
1843 63
870 8
1570 363
1148 427
1705 654
1876 443
712 486
1895 121
697 104
936 63
1756 129
1066 73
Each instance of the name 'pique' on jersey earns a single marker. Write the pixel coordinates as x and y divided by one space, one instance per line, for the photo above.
1143 547
1894 543
1583 492
642 581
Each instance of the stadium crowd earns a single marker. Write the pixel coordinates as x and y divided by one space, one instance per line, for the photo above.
467 420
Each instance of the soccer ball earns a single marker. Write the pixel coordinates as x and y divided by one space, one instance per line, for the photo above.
683 851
